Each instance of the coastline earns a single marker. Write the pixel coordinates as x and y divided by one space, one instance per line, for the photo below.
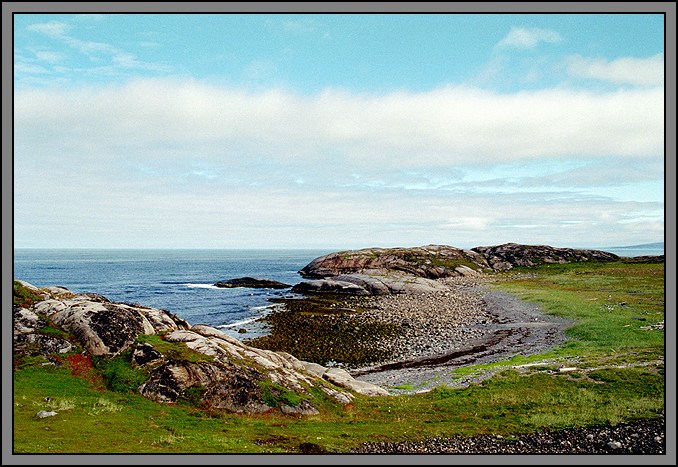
467 323
473 324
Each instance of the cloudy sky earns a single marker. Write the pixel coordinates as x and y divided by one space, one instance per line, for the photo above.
337 131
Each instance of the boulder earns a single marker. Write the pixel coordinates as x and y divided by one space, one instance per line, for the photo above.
329 286
102 327
252 283
393 282
343 379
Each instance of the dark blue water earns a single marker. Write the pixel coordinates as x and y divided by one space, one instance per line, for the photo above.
179 281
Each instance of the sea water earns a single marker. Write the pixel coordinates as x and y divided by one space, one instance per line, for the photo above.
179 281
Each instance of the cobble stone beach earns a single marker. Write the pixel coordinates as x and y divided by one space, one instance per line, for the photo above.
468 323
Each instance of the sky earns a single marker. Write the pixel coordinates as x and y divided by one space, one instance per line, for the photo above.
337 130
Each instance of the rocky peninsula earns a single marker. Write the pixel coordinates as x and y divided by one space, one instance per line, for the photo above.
405 318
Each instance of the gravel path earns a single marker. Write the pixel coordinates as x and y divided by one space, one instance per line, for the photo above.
468 324
640 437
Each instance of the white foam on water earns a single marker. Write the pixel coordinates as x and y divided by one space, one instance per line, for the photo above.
201 286
238 323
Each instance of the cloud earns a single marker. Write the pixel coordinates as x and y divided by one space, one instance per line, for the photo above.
648 71
119 58
438 128
527 38
126 213
159 155
54 29
49 56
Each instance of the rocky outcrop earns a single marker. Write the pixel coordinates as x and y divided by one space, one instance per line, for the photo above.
253 283
30 338
431 261
510 255
379 271
105 328
196 363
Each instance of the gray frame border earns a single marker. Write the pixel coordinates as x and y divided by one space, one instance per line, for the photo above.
8 8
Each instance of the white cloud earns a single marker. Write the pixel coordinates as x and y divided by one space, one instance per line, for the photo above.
119 58
49 56
54 29
647 71
443 127
210 166
527 38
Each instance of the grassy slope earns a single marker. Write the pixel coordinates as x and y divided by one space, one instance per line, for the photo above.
615 382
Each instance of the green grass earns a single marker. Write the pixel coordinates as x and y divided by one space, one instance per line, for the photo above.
509 405
614 383
603 299
23 296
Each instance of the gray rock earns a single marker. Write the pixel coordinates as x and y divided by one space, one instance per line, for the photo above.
509 255
145 354
46 414
252 282
106 328
343 379
329 286
430 261
26 321
614 445
46 345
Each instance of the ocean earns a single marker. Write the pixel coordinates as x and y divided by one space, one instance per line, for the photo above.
179 281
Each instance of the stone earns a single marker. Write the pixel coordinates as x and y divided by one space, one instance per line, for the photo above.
46 414
105 328
329 286
252 282
145 354
26 321
342 378
430 261
46 345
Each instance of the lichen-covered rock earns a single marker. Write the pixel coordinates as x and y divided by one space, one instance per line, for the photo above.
145 354
40 344
510 255
29 339
431 261
105 328
199 363
26 321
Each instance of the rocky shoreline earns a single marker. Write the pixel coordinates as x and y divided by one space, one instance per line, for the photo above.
468 323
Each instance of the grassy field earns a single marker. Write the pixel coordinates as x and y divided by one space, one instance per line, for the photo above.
615 356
